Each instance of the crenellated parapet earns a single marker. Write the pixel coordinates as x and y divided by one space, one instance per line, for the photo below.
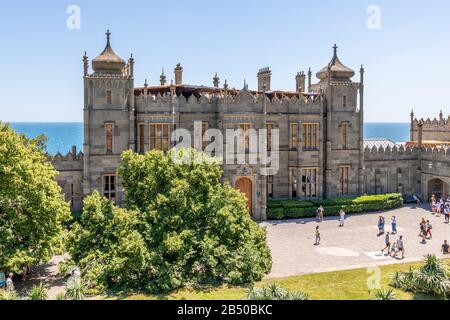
436 129
391 153
209 99
72 161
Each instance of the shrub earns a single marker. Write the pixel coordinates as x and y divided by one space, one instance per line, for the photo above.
74 289
60 296
8 295
274 292
385 294
182 227
292 209
432 278
38 292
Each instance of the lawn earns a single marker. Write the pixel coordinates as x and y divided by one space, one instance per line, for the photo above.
340 285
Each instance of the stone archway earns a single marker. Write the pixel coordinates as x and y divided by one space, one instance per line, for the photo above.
245 185
438 187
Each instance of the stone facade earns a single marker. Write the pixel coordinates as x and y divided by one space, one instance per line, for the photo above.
322 152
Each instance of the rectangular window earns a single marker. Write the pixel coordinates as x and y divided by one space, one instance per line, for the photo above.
294 183
205 127
109 189
309 183
344 135
344 101
344 181
109 128
159 137
294 136
270 187
245 140
269 128
141 138
109 97
310 136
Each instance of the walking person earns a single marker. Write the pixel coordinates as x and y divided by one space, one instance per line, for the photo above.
417 200
400 247
10 283
445 248
387 242
394 224
381 223
423 231
317 236
320 213
341 218
447 212
429 227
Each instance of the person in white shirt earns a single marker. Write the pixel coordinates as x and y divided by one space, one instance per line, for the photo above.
400 247
342 218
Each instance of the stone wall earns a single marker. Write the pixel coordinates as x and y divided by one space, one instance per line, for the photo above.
70 178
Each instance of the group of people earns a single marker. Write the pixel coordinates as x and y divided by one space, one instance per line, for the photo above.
440 206
6 283
382 222
319 218
393 248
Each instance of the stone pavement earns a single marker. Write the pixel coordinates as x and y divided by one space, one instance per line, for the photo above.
354 246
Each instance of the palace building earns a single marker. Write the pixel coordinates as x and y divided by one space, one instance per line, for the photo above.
321 127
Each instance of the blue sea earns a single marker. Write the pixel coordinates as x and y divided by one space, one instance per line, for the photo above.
62 136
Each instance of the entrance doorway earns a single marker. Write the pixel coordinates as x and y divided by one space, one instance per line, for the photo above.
246 187
438 187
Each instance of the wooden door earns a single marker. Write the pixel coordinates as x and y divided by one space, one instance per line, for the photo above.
245 186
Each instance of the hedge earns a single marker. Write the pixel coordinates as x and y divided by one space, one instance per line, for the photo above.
293 209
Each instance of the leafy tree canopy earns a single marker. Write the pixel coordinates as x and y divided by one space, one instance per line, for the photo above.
183 227
32 207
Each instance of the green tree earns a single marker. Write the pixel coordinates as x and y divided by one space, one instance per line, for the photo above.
197 229
183 227
107 247
32 207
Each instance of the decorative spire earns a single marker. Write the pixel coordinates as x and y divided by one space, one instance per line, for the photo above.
216 81
225 85
245 84
441 116
146 83
163 78
309 79
85 64
335 48
108 36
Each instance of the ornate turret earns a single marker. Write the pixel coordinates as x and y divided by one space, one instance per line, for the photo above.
337 69
108 61
216 81
163 79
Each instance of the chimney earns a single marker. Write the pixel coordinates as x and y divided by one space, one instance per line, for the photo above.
300 81
264 79
178 74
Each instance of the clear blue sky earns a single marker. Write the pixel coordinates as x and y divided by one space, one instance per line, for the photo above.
407 61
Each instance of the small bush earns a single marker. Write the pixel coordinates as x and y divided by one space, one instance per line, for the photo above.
60 296
432 278
38 292
385 294
8 295
274 292
74 289
292 209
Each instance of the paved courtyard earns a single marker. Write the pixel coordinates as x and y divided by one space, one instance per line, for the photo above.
354 246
